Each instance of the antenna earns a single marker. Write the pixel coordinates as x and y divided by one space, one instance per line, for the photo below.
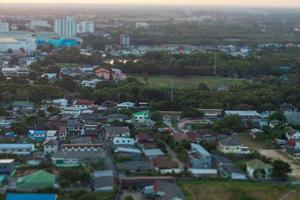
215 64
172 91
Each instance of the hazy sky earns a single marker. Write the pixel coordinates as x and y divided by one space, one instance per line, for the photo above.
285 3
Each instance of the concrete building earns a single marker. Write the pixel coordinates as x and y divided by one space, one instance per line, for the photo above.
18 149
124 40
66 27
7 166
17 43
199 157
4 26
85 27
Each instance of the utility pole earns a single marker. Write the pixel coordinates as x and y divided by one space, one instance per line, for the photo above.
215 63
172 91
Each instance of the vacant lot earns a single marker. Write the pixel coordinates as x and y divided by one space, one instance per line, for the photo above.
231 190
279 155
187 82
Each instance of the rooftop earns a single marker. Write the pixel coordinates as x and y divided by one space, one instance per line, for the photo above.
6 161
28 196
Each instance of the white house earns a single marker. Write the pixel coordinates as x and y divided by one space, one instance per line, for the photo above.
292 134
230 145
50 146
59 102
258 169
123 140
125 105
18 149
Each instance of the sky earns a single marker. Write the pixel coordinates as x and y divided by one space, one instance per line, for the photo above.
262 3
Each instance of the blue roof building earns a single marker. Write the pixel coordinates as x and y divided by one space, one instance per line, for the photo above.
37 135
28 196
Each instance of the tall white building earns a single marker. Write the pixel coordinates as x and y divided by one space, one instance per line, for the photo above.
124 40
4 26
85 27
65 27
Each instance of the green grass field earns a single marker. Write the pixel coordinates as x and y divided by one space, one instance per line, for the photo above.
231 190
187 82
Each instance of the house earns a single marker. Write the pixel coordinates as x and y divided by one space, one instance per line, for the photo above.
292 134
152 153
143 138
58 102
103 73
116 117
51 77
128 150
37 135
83 104
18 149
258 169
7 166
163 190
116 131
162 162
6 122
70 71
244 114
292 117
35 181
83 147
22 105
62 133
87 69
199 157
30 196
92 129
135 166
231 145
125 105
227 169
180 136
76 158
51 135
103 181
255 131
123 141
75 127
110 74
141 116
50 146
90 83
211 113
107 105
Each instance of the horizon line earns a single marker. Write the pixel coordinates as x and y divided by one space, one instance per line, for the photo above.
154 4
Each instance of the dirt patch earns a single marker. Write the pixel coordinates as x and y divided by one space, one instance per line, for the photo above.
280 155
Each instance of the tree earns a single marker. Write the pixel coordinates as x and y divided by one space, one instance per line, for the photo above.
192 113
156 116
281 170
20 128
128 198
277 116
203 86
